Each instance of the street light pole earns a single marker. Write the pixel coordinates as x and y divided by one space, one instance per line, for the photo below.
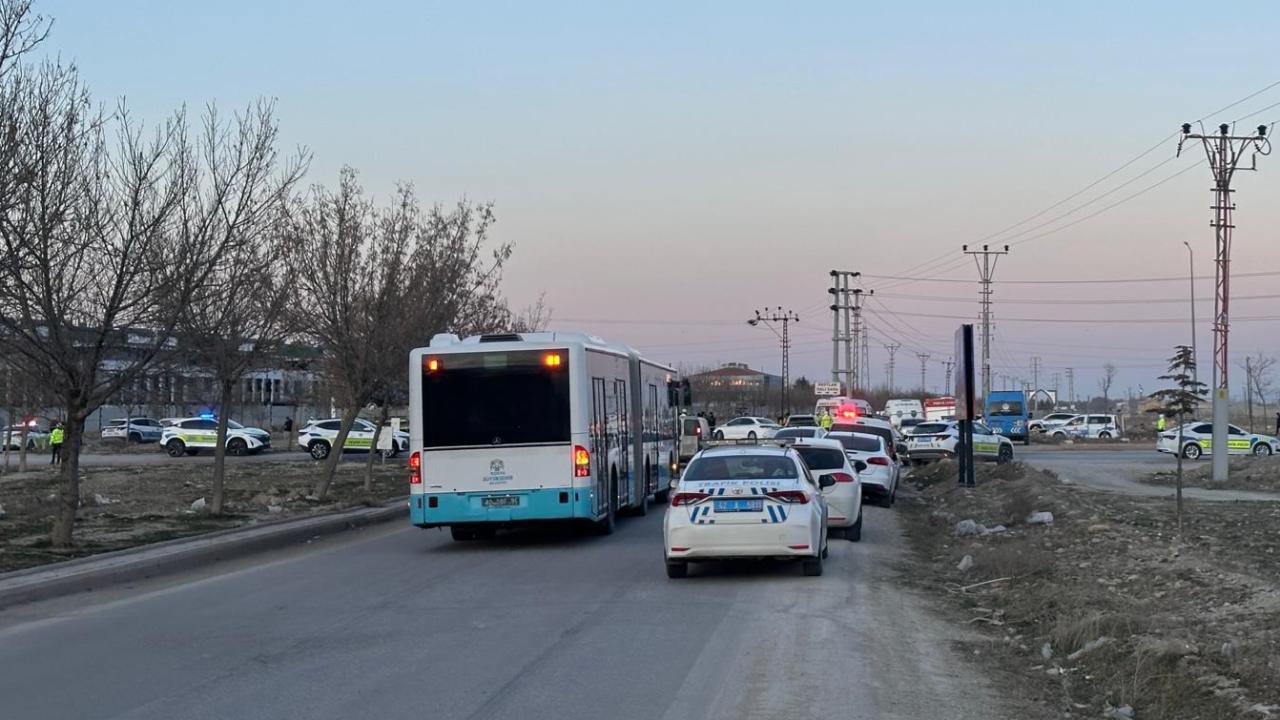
1191 257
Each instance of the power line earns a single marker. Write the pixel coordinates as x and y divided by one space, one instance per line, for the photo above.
1098 281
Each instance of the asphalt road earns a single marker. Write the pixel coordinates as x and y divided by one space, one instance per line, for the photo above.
397 622
1118 471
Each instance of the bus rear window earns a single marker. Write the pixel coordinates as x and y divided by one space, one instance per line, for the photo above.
496 398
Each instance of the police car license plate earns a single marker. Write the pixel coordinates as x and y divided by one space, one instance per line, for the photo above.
500 501
743 505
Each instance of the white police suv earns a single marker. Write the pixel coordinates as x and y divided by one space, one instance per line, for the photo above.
189 436
1197 440
748 501
318 436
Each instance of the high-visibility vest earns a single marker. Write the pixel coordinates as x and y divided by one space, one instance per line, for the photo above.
55 437
1160 423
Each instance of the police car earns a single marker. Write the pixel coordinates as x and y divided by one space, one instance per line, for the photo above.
189 436
317 437
937 440
746 502
1197 440
35 437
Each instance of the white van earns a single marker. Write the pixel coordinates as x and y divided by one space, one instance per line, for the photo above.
898 409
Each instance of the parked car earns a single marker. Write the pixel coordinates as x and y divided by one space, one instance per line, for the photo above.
1049 421
826 458
35 436
694 430
1197 440
900 409
191 435
801 421
1088 426
746 428
879 479
317 437
876 426
937 440
746 502
799 432
135 430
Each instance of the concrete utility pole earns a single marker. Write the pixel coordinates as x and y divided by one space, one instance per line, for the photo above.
1191 261
860 375
948 364
1035 378
1057 396
986 270
924 363
846 327
1224 152
892 348
768 318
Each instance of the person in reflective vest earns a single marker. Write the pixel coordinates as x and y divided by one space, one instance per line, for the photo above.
56 436
825 420
1160 423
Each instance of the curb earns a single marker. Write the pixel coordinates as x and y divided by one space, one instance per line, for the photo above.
171 556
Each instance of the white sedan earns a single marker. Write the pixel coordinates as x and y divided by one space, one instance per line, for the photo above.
938 440
1197 440
878 471
747 428
746 502
826 458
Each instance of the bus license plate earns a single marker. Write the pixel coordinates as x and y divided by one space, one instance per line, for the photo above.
501 501
743 505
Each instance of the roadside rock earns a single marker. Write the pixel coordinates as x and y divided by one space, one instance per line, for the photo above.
1040 518
965 563
1046 651
1088 647
3 514
968 527
994 530
1124 712
101 499
198 505
274 508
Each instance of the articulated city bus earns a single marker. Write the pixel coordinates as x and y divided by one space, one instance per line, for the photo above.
521 428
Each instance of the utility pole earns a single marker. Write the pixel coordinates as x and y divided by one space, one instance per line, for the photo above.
1035 380
1248 389
924 360
948 364
860 377
769 318
844 322
1071 385
893 349
986 270
1224 152
1057 396
1191 261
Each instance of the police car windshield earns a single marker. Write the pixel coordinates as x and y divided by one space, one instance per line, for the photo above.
741 467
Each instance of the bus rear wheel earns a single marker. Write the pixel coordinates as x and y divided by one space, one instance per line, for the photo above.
607 524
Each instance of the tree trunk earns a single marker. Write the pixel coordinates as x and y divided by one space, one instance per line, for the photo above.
220 451
335 455
1178 507
22 447
373 449
69 489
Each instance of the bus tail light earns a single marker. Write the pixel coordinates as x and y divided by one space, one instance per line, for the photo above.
415 468
581 462
798 497
688 498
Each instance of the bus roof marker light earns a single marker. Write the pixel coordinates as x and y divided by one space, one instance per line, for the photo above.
433 365
551 360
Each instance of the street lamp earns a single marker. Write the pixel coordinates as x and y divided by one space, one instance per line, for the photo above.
1191 258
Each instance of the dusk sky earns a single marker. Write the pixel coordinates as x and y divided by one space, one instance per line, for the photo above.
664 169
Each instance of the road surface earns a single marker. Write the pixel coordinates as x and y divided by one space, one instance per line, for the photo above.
1118 471
397 622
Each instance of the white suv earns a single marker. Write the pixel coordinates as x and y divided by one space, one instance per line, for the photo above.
317 438
191 435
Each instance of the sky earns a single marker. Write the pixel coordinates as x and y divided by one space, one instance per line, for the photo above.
665 169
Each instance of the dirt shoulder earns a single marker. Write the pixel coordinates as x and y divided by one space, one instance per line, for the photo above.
124 507
1103 608
1247 473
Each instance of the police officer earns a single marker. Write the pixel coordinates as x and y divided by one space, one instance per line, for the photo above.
1160 423
825 420
56 436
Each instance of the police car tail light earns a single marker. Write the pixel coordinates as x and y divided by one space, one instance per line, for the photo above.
878 460
581 462
790 496
688 498
415 468
842 477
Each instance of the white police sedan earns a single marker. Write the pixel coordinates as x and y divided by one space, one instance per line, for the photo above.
1197 440
746 502
938 440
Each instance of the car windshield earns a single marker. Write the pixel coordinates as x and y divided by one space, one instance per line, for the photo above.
820 459
796 432
741 467
930 429
859 443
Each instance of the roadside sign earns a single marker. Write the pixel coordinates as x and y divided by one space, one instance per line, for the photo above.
387 436
965 392
826 389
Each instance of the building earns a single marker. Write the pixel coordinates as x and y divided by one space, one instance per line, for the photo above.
736 389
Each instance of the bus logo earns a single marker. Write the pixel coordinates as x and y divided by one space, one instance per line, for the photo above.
496 467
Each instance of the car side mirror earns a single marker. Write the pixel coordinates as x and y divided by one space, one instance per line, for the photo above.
859 466
826 481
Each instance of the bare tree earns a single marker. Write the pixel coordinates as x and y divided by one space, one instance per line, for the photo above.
1259 381
1105 382
236 320
375 282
